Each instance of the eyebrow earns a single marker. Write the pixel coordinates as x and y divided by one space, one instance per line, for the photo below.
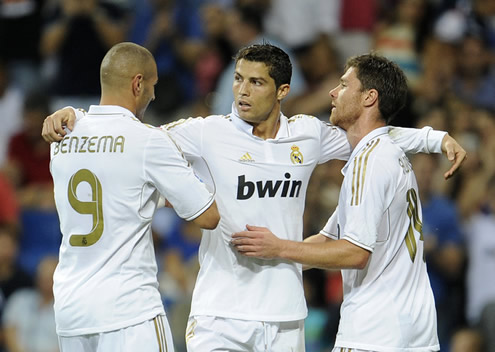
251 78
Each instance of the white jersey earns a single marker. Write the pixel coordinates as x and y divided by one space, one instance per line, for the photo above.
263 183
389 305
108 176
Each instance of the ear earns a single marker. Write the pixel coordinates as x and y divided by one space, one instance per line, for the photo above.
282 91
370 97
137 84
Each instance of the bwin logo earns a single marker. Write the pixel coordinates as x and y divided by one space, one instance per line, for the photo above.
290 188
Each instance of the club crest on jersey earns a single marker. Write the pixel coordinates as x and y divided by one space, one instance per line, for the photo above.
296 156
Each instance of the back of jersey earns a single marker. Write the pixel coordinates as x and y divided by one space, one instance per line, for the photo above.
108 175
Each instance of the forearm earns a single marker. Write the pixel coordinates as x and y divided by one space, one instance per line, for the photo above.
339 254
53 37
110 31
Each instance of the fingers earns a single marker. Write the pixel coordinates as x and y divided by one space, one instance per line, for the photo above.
52 132
459 158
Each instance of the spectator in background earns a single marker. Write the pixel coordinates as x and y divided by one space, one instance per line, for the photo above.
400 37
11 102
12 277
9 207
76 36
467 340
319 63
474 80
480 243
172 31
20 27
433 88
29 156
444 251
319 17
245 27
29 318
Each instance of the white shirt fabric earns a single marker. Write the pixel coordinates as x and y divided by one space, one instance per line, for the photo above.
11 110
34 322
480 243
112 283
388 305
263 183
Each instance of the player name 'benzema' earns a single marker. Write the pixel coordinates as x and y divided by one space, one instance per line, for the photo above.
90 144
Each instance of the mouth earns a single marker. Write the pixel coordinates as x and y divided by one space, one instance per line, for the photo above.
243 105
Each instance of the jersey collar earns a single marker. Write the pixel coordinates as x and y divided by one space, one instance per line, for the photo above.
362 143
283 130
109 110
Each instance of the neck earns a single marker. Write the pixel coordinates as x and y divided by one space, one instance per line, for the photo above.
268 128
119 101
363 126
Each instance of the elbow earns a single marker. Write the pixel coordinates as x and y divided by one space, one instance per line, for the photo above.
361 260
212 222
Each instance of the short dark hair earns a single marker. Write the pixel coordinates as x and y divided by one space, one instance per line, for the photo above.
277 61
377 72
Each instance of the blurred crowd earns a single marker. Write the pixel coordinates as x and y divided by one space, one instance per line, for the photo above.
50 52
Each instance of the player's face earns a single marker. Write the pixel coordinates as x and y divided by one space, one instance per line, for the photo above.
255 95
346 100
148 94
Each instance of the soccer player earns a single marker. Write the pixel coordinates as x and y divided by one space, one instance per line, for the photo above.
260 162
108 175
375 235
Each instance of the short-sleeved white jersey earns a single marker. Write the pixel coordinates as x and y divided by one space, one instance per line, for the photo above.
263 183
108 176
388 305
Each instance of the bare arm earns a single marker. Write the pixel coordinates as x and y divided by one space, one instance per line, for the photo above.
340 254
209 219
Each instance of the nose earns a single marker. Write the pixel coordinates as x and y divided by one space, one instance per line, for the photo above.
333 92
244 88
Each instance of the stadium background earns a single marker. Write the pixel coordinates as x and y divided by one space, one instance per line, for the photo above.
50 52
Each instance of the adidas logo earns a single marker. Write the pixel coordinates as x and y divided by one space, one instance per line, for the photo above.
246 158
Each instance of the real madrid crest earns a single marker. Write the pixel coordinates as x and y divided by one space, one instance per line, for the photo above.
296 156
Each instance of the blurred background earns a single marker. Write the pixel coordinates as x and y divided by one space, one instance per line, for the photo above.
50 52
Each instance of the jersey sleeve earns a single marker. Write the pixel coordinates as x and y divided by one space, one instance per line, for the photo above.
188 133
368 197
333 142
413 140
169 171
331 228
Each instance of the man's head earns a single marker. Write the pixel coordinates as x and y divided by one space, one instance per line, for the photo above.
276 60
261 80
375 82
129 70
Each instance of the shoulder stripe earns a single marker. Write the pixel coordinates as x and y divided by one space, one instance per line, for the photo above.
359 171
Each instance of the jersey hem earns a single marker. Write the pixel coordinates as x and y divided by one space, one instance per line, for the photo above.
113 327
329 235
240 316
368 347
359 244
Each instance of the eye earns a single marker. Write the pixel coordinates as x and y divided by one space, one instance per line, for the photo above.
237 78
257 83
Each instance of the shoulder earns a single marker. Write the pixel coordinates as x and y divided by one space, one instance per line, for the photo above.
197 121
308 121
381 156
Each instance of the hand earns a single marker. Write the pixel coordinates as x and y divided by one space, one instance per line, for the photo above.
257 242
53 126
455 153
